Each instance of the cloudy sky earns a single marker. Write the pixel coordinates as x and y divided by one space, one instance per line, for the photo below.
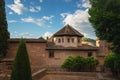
36 18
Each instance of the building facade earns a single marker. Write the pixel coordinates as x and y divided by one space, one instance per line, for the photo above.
51 53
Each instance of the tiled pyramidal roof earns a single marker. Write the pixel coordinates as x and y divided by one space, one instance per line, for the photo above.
68 31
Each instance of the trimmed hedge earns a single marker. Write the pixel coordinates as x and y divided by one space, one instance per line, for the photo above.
79 63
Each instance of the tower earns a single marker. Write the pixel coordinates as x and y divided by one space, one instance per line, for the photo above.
67 37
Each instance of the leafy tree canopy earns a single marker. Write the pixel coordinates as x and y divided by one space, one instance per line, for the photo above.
105 18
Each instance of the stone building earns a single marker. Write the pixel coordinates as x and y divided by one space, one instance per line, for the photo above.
51 53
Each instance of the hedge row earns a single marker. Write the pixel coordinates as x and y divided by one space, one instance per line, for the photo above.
79 63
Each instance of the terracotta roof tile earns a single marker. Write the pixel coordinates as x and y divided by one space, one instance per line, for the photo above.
82 48
16 40
68 31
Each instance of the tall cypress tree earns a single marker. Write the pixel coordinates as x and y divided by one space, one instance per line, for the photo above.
21 68
4 34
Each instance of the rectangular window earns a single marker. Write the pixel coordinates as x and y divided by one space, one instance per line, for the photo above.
89 54
63 40
68 40
51 54
72 40
59 40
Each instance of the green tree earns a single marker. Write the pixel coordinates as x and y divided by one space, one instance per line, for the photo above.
4 34
105 19
21 67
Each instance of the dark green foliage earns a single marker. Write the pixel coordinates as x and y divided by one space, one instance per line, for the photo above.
79 63
4 34
68 63
105 18
91 63
112 61
21 67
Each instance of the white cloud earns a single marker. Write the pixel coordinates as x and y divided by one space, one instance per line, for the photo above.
47 34
79 5
17 7
41 1
79 20
12 21
16 34
39 22
35 9
64 15
10 12
84 3
47 17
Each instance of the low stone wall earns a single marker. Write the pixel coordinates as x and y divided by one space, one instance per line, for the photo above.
39 74
85 74
69 76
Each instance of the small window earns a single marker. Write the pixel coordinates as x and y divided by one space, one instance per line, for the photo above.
68 40
59 40
62 39
89 54
72 40
51 54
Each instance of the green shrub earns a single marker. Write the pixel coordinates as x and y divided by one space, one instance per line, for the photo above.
91 63
79 63
68 63
112 61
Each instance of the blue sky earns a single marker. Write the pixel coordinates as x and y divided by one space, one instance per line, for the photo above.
36 18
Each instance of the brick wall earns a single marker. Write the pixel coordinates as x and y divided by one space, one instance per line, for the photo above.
36 52
39 56
60 56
